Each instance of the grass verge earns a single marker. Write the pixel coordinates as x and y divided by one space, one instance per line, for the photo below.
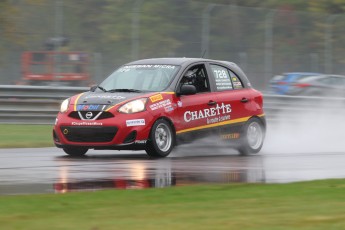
304 205
26 136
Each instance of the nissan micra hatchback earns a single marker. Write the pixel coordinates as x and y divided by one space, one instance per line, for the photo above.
156 104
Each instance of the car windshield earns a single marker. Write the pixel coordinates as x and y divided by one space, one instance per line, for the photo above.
309 78
136 78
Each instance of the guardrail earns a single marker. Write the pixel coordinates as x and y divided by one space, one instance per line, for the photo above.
40 104
33 104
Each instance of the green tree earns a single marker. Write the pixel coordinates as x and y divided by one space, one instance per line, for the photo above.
332 30
152 24
15 21
7 26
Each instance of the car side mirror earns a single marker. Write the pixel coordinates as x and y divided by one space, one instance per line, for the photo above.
93 88
187 90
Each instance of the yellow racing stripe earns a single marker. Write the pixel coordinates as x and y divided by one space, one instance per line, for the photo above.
111 107
238 120
76 101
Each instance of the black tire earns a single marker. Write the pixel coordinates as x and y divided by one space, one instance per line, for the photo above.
161 140
75 151
253 136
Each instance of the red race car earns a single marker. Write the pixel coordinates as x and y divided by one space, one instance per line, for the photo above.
156 104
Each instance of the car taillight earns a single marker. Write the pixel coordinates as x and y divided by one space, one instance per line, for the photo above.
282 83
302 85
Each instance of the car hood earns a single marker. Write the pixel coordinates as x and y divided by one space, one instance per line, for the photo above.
103 100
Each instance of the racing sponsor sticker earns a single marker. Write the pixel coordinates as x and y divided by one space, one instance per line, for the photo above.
140 142
148 66
212 115
169 109
89 107
135 122
86 123
114 97
157 97
230 136
162 104
237 83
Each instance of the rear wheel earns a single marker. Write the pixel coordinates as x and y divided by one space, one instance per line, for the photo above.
161 140
253 137
75 151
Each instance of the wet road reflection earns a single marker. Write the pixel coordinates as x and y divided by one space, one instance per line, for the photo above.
135 173
48 170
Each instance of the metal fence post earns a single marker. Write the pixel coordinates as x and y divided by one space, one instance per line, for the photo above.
328 43
205 36
135 29
268 47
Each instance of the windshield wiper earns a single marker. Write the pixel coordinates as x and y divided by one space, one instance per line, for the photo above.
125 90
100 87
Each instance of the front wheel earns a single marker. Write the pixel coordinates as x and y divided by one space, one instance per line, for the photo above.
75 151
161 140
253 137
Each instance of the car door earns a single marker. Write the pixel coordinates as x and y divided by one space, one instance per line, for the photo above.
234 100
336 87
195 112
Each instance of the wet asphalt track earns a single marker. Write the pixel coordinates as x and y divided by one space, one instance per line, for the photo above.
49 170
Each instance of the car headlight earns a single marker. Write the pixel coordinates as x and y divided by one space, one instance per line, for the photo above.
134 106
64 105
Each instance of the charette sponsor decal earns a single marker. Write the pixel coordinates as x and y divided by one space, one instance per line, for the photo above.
213 115
135 122
86 123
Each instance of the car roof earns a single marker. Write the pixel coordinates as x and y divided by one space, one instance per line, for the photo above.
314 77
176 61
301 73
333 75
165 61
184 62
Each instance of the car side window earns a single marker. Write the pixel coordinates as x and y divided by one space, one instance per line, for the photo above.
236 82
342 81
338 81
225 79
328 81
196 75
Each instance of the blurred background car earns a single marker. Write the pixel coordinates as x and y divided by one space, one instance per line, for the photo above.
283 84
320 85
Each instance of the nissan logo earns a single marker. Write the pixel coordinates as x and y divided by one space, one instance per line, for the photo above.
88 115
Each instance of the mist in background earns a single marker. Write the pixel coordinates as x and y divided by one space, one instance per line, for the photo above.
316 128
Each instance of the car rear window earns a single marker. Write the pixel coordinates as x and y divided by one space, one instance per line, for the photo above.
225 79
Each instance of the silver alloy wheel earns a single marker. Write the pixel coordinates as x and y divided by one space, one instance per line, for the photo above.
255 135
163 137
